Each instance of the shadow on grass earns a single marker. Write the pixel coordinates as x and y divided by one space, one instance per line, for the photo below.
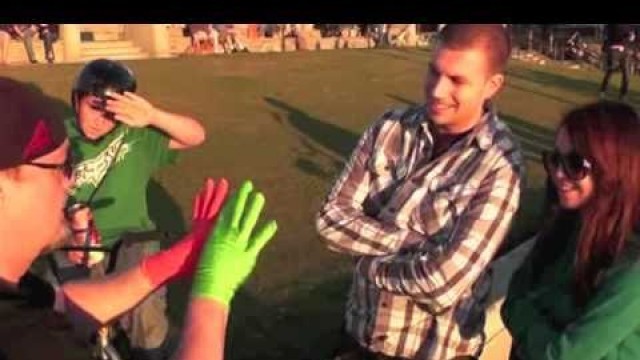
401 99
589 88
527 220
306 326
533 138
320 141
539 93
165 212
545 78
325 134
397 54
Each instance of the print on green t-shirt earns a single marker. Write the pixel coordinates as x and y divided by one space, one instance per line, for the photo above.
127 158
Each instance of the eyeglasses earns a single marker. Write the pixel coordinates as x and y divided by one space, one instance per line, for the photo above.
66 167
575 166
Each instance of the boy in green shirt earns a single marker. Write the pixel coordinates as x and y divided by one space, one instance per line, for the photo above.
118 140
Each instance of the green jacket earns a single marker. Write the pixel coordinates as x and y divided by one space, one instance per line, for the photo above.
546 324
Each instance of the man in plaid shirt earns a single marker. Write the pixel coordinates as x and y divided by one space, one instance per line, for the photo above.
423 205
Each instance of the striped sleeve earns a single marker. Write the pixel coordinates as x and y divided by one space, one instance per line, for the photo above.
438 280
342 221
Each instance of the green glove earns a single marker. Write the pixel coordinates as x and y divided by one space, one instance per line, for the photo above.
230 254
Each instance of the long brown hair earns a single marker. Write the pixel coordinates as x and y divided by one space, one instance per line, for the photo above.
607 134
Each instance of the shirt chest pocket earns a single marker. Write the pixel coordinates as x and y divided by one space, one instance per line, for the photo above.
438 210
384 175
385 169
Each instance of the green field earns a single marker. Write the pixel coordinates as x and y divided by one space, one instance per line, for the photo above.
288 122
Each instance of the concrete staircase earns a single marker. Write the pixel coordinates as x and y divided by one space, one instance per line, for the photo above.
112 49
107 41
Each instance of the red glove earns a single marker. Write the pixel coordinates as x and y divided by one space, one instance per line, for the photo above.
180 260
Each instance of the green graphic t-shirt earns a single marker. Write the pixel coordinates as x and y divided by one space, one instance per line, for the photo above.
128 157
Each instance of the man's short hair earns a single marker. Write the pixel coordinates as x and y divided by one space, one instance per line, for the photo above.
492 38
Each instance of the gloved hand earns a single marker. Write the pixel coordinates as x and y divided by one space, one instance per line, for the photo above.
230 253
180 260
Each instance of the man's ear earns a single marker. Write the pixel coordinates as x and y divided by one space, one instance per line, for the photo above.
5 177
493 85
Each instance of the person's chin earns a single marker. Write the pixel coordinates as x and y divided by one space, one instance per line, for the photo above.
569 203
438 118
438 114
57 239
95 135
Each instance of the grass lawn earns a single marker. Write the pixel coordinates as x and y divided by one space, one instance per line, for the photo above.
288 122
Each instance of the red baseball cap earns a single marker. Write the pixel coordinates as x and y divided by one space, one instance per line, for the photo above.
31 125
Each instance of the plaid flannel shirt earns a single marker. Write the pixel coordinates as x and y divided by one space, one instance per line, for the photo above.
423 232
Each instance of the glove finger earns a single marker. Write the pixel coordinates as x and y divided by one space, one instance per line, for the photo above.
262 237
251 215
240 203
218 198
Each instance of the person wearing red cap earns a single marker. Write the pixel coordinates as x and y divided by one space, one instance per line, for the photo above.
35 178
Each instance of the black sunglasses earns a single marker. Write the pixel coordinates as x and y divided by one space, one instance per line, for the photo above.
575 166
66 167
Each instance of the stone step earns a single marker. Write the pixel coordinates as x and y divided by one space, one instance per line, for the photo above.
107 52
131 56
119 50
116 44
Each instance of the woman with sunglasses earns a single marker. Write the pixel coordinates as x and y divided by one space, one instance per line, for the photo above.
577 295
